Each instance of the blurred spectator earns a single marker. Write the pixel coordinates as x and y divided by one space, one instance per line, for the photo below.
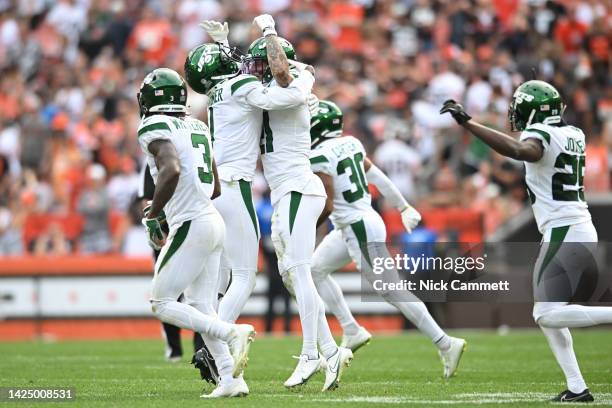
133 244
94 204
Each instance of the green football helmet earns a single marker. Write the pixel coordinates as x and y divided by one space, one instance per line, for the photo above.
162 90
208 64
326 124
535 102
256 60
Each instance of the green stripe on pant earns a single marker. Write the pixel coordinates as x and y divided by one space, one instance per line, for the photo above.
557 235
362 237
177 241
245 190
294 204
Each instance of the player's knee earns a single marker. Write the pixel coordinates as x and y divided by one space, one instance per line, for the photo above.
539 313
158 307
319 271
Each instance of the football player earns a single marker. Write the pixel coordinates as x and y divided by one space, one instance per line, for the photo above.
554 156
298 197
341 163
178 151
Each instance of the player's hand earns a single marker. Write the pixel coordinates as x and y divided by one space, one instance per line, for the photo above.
216 30
313 104
266 24
154 232
456 110
161 217
410 218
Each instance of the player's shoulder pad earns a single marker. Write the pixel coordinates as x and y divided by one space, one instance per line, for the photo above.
539 131
158 123
354 140
241 82
320 154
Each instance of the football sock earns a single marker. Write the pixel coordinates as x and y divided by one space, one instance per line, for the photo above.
576 316
221 354
561 344
188 317
307 300
418 315
330 292
235 298
327 344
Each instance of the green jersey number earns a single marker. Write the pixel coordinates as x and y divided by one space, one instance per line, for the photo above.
357 177
574 179
265 144
205 173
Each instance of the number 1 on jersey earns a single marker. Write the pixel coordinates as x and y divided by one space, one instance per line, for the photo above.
205 173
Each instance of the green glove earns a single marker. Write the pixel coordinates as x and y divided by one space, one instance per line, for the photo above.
155 234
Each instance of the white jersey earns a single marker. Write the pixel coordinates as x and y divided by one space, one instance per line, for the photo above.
555 182
235 125
285 146
343 159
191 139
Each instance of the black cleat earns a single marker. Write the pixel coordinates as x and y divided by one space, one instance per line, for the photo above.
205 362
568 396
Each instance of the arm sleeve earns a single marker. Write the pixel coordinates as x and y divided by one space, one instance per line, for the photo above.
319 163
386 187
535 132
153 130
277 98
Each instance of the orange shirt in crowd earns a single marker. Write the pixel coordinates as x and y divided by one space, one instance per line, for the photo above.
570 33
154 38
347 17
597 171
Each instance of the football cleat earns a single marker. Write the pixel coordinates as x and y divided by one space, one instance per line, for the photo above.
451 357
335 365
242 337
305 369
568 396
356 341
234 387
204 361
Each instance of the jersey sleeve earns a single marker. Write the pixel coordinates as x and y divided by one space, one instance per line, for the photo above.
320 162
155 128
537 131
278 98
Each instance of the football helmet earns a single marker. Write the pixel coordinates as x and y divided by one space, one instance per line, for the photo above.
256 60
326 124
535 102
162 90
208 64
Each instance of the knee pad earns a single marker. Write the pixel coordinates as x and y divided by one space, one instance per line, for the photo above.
541 308
158 306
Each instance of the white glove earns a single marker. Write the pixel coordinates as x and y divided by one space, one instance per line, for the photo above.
266 24
313 104
217 31
410 218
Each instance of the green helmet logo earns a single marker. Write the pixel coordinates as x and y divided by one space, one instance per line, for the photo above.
162 90
208 64
326 124
256 60
535 102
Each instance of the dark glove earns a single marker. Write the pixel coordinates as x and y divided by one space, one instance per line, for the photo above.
456 110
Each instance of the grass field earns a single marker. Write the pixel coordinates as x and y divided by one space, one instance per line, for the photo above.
512 370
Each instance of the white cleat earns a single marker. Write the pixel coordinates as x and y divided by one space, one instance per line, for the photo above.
242 337
452 356
356 341
305 369
335 365
234 387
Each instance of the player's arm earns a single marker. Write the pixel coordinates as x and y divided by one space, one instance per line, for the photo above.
217 186
168 173
277 60
529 150
410 216
277 98
328 183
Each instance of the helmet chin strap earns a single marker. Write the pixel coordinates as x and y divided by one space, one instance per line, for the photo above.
531 115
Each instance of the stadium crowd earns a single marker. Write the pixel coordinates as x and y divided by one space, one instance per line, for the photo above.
70 71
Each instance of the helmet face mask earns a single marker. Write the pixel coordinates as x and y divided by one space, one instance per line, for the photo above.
162 91
326 124
208 64
535 102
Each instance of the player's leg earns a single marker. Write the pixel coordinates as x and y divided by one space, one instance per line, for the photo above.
179 264
202 294
329 256
241 245
366 241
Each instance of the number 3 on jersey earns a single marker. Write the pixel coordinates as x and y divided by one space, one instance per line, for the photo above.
204 172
